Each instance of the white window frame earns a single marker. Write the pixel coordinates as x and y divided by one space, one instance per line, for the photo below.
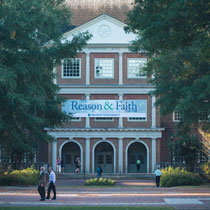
204 120
135 119
135 77
103 119
71 77
75 119
174 116
102 77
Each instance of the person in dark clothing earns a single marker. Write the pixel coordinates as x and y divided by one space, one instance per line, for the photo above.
62 166
138 163
99 172
78 165
158 174
52 179
42 183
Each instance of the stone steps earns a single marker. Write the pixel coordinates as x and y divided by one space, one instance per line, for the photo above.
117 176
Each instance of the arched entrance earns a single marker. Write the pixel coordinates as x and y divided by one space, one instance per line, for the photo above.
104 157
69 153
137 151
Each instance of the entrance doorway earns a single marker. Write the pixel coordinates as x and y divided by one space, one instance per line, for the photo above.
70 152
104 157
137 151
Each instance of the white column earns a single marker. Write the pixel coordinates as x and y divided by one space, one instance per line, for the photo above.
120 69
153 154
153 112
87 123
55 75
54 154
87 68
120 157
87 155
120 118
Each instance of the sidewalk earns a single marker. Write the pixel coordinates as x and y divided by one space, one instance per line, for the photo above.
126 183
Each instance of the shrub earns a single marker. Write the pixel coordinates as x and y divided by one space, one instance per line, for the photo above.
178 177
206 171
100 182
27 176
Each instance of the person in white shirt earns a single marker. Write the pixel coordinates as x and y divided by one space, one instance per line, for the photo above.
158 174
52 179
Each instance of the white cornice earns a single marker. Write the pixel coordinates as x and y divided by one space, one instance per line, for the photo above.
119 89
153 133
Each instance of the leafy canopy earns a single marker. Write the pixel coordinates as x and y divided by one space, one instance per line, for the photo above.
175 35
29 98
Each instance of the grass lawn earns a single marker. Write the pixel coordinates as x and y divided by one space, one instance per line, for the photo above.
87 208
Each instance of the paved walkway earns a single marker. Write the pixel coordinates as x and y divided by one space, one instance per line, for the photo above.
128 183
126 193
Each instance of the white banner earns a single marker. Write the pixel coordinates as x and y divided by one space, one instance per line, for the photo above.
106 108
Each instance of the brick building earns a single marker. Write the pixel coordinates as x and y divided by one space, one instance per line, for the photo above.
115 143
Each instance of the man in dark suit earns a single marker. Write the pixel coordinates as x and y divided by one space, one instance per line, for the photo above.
42 183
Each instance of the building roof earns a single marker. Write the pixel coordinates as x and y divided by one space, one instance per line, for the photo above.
85 10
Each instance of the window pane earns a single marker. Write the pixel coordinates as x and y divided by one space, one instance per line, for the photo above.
108 159
137 119
132 159
104 68
177 116
68 159
135 67
104 119
100 159
72 68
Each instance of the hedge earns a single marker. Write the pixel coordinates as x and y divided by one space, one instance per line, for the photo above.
27 176
178 177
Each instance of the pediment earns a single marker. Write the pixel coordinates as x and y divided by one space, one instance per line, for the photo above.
104 30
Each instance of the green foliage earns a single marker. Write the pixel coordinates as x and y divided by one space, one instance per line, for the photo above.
29 98
178 177
100 182
175 37
206 171
27 176
188 148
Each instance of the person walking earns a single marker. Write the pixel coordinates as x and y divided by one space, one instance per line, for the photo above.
99 172
158 174
52 179
58 168
62 166
78 165
138 163
42 183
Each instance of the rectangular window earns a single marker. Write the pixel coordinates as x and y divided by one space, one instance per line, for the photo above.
100 159
177 116
75 119
132 159
135 66
108 159
137 119
68 159
4 156
71 68
104 68
98 119
204 118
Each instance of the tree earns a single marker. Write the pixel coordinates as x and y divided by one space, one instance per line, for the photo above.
29 98
188 148
175 35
